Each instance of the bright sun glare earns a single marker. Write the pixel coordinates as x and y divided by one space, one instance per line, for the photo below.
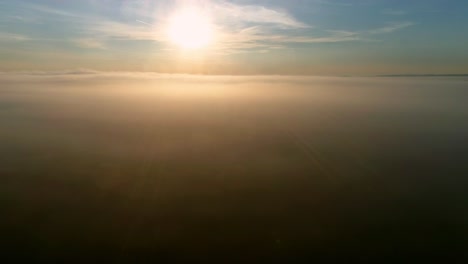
190 29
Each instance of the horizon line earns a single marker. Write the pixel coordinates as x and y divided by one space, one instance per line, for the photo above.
91 72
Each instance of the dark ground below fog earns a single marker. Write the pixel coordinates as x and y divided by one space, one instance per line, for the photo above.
120 169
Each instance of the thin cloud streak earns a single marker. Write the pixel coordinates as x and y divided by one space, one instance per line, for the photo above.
393 12
10 37
257 14
391 27
89 43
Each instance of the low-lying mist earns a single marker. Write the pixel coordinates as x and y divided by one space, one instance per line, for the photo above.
211 168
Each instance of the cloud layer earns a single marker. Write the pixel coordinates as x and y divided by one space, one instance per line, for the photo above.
240 27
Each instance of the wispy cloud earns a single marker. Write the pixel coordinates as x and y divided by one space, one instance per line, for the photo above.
9 37
391 27
333 2
119 30
262 39
89 43
331 37
394 12
51 11
259 37
257 14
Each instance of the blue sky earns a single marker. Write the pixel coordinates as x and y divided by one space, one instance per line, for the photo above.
324 37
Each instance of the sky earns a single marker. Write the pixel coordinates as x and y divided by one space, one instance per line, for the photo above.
260 37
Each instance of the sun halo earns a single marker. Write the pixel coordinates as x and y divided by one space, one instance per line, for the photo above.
190 29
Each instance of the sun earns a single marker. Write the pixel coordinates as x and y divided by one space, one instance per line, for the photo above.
191 29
